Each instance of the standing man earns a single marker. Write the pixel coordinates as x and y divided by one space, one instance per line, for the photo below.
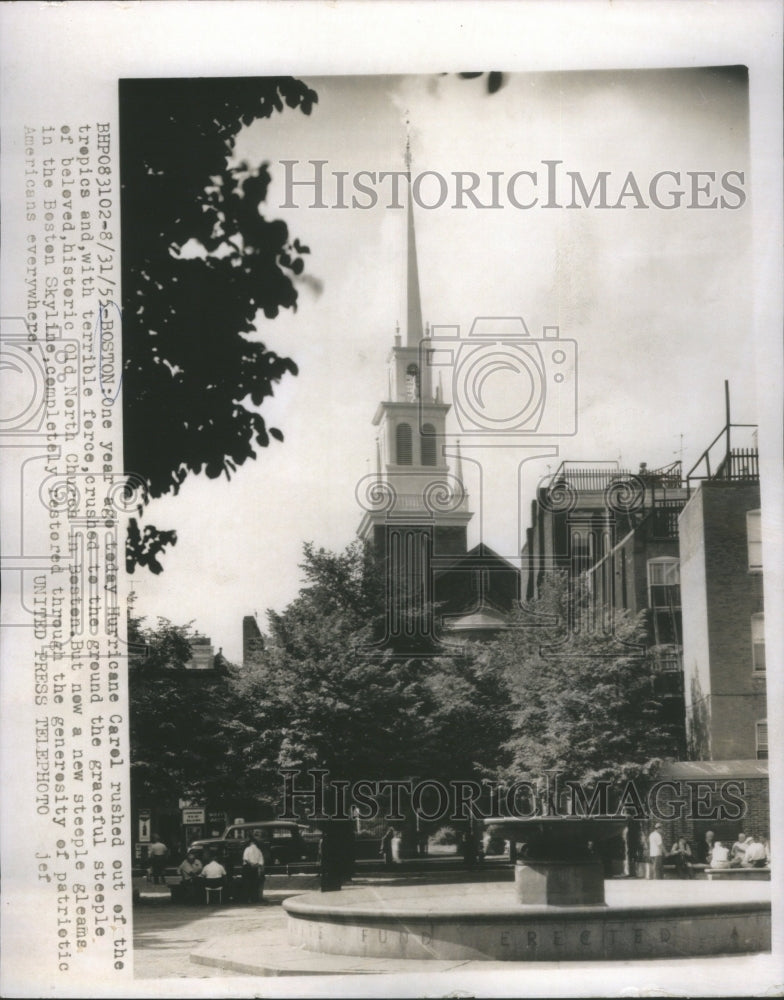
386 846
705 849
656 852
253 870
158 852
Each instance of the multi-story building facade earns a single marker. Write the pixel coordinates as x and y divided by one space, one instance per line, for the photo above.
724 664
582 514
724 617
616 532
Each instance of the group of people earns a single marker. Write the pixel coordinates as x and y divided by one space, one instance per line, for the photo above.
196 877
746 852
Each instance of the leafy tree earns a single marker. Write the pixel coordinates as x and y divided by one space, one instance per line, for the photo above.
582 702
324 697
200 263
182 728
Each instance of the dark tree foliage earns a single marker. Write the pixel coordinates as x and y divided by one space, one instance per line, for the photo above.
143 547
200 261
182 730
323 697
584 703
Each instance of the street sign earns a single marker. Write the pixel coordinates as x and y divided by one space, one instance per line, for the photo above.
192 817
144 826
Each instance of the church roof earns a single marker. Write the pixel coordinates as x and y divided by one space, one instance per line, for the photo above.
472 558
483 619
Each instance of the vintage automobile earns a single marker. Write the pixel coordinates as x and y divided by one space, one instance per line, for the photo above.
282 842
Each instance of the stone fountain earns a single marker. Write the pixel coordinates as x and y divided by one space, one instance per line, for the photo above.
559 909
558 863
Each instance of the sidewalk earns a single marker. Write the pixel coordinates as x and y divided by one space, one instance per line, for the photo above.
145 892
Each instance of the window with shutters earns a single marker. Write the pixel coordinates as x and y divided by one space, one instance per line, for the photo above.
403 435
428 442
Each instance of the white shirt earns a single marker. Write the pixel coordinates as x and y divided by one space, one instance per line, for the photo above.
214 870
253 856
755 851
739 848
720 855
655 845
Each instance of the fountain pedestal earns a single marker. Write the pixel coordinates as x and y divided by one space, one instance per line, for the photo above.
558 864
559 883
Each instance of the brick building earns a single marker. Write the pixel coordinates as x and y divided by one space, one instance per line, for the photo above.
723 618
582 514
618 532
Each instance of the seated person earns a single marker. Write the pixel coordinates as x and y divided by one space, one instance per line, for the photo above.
190 867
681 855
190 873
756 856
213 872
720 856
738 851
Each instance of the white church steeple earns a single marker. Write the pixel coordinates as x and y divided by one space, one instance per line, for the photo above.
412 423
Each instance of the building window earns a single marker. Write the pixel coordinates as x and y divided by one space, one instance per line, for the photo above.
754 536
428 441
758 641
664 582
762 740
664 600
403 435
412 383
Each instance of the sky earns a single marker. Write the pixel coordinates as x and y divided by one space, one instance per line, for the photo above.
657 302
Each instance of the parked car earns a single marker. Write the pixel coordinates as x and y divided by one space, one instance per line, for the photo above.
282 843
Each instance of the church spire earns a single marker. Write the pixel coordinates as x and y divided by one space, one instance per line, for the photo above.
414 326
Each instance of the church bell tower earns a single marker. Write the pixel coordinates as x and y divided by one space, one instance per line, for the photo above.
416 508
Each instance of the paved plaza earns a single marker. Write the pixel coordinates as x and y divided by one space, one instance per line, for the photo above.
174 941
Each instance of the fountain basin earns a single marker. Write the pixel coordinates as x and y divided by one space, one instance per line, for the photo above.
474 921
